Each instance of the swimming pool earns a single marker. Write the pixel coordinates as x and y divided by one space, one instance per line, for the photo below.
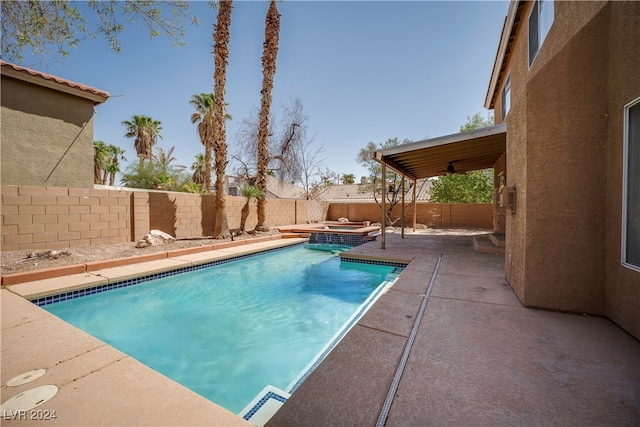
227 331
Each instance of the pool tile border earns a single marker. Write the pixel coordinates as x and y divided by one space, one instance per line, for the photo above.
374 261
63 296
269 395
50 273
337 238
77 293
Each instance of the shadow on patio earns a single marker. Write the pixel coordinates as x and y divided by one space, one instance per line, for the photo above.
478 357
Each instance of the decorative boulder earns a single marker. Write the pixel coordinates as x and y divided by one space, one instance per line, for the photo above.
155 238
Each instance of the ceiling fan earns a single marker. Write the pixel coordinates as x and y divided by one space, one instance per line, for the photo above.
450 170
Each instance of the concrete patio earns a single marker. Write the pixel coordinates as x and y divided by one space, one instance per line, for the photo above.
478 357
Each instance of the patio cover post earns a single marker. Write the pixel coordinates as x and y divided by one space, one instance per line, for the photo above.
402 219
384 205
415 204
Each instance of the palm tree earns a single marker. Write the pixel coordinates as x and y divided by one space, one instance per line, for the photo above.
250 192
164 159
271 36
198 168
101 158
192 187
146 132
221 37
204 103
113 167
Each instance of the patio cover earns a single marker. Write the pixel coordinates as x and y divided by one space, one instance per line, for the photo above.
473 150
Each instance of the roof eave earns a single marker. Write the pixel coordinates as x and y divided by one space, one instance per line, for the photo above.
474 150
54 85
501 55
446 139
379 157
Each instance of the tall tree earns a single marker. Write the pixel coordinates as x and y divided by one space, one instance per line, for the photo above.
477 121
100 160
309 164
392 180
40 26
198 168
165 158
113 167
221 36
204 105
270 52
158 173
288 144
473 186
348 178
328 178
145 132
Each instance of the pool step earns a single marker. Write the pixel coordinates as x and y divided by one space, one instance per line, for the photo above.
498 239
264 405
484 243
293 235
372 236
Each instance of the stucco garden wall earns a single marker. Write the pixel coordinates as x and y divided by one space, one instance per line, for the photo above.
42 143
434 215
35 217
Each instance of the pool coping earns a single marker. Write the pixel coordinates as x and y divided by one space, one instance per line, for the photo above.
123 269
48 273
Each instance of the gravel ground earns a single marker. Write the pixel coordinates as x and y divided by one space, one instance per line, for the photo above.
29 260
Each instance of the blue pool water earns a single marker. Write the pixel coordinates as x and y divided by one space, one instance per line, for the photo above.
227 331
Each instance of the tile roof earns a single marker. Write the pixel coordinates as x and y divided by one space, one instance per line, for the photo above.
345 192
51 78
284 190
355 192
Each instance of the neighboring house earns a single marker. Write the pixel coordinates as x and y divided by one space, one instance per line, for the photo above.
276 189
46 129
355 193
565 89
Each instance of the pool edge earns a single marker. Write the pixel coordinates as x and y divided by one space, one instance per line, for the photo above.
44 287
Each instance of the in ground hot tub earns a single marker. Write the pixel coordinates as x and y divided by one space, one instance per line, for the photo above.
336 232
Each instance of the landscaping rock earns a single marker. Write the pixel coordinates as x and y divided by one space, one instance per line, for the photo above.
155 238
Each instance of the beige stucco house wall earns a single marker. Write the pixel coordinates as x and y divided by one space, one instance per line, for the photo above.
46 129
565 156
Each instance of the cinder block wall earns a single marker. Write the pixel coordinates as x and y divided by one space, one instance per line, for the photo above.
434 215
57 217
184 215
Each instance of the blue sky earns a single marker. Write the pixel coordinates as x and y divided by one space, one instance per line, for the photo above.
364 70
